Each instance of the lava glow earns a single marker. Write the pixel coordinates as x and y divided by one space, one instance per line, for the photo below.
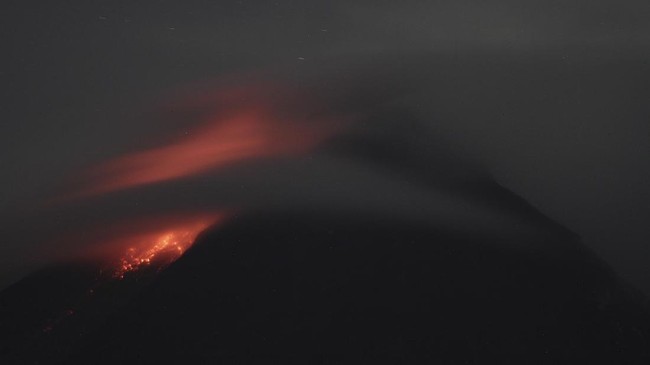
223 128
160 247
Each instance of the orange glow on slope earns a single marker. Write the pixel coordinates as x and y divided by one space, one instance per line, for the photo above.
158 247
162 247
141 243
235 126
170 245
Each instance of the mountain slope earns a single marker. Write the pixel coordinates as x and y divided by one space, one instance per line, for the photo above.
306 287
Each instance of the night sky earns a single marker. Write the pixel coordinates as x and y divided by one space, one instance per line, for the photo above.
549 97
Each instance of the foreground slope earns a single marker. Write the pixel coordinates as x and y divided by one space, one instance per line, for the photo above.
306 287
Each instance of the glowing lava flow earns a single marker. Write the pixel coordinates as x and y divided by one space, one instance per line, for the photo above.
161 248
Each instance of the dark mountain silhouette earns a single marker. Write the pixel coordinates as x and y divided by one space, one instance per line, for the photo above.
46 315
326 287
492 281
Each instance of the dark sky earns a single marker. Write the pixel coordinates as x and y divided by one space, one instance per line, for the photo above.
551 97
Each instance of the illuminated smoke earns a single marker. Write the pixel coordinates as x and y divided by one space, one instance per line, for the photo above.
230 131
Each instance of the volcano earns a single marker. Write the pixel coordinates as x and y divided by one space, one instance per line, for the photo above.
326 286
375 244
